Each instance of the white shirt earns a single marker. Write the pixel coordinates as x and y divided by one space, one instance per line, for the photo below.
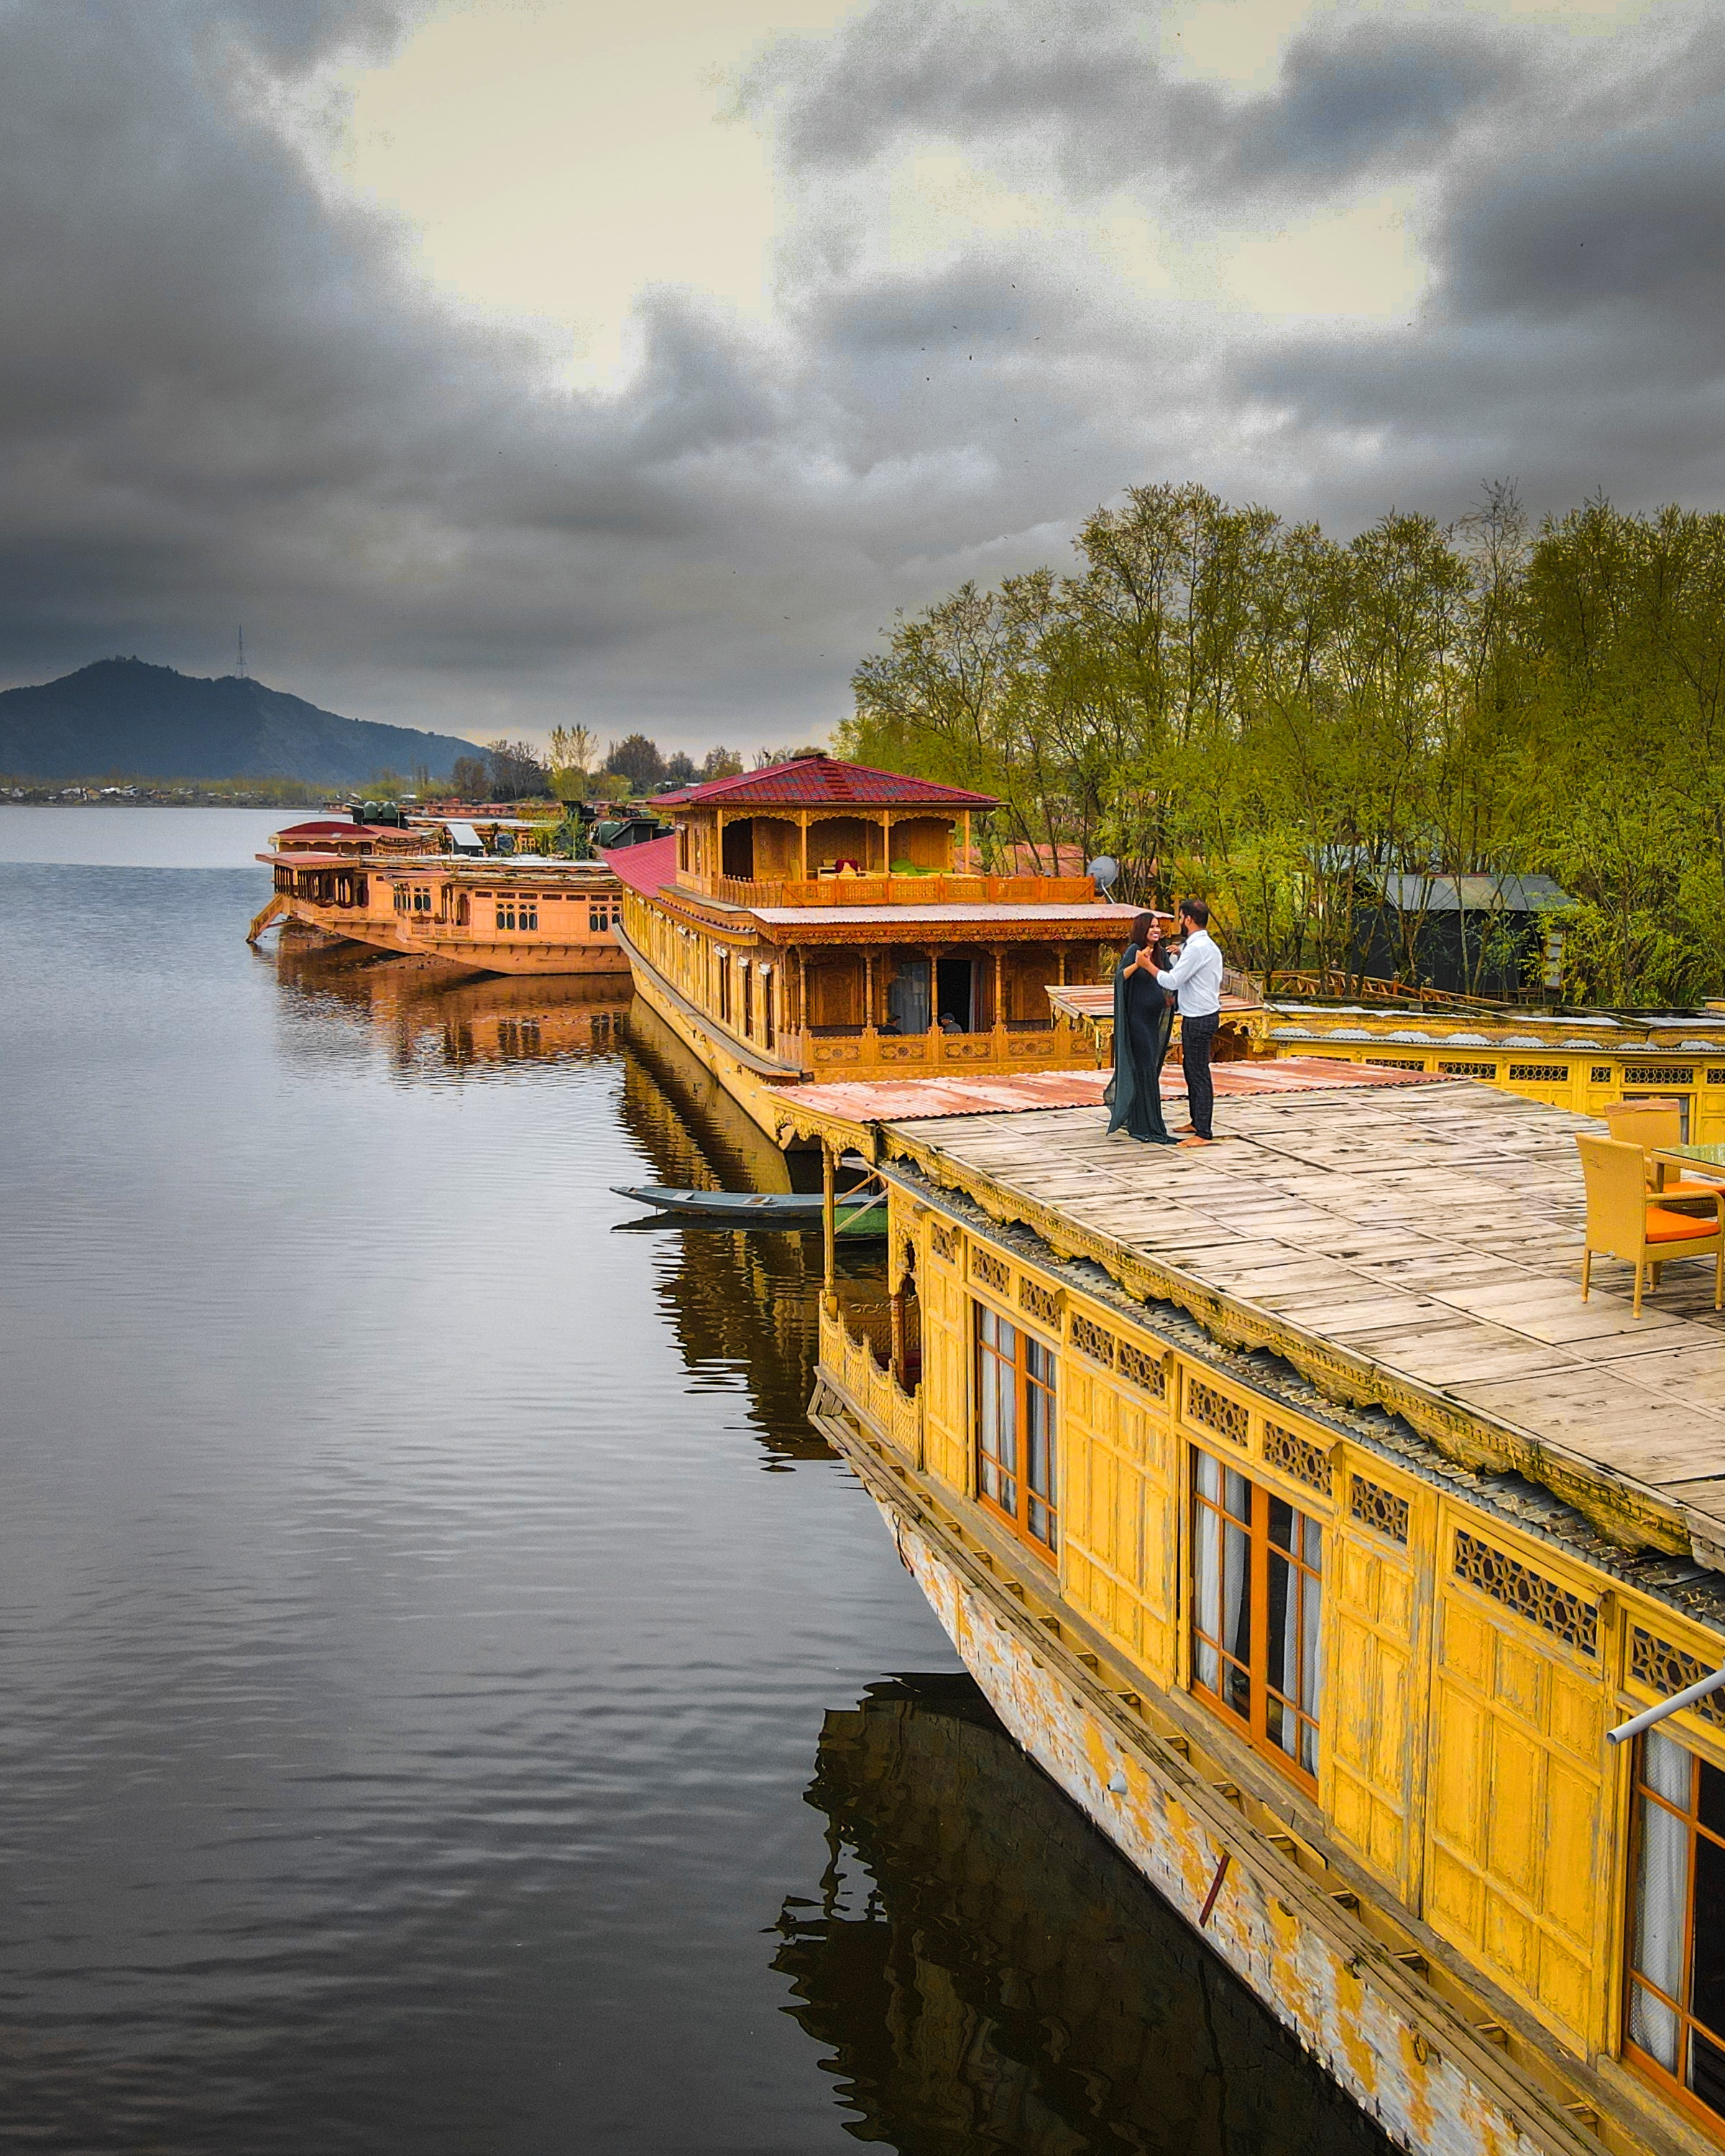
1197 974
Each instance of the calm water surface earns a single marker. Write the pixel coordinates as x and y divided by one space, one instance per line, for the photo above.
449 1700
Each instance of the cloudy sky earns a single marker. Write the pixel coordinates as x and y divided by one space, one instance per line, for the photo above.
498 362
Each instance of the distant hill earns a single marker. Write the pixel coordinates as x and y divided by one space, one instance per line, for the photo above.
121 715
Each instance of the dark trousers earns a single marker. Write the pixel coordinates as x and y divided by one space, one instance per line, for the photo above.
1198 1037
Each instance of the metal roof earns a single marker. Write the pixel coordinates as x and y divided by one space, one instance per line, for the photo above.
812 782
645 867
1473 893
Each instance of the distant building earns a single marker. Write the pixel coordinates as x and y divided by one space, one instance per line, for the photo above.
1496 935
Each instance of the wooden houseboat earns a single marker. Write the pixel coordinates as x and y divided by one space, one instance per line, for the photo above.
1582 1060
1295 1512
396 889
819 920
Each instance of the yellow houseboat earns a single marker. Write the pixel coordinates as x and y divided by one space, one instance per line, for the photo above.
392 889
1297 1514
820 920
1586 1061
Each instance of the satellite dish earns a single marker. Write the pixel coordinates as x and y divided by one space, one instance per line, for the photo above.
1106 869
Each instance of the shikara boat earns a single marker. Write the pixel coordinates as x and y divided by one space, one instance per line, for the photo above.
760 1208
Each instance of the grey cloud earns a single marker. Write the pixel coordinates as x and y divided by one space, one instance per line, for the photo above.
1075 83
1376 94
1635 221
224 396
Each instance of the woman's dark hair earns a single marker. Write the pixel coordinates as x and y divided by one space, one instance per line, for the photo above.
1143 931
1196 912
1160 956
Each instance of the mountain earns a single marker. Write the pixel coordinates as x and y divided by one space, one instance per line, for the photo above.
121 715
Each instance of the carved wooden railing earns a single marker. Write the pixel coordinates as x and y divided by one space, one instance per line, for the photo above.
858 1050
941 889
849 1361
1366 989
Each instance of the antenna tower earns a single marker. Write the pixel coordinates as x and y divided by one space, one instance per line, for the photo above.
239 663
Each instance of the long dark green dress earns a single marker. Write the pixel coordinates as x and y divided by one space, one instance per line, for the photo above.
1143 1020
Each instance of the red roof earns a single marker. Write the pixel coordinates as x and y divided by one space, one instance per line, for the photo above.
646 867
810 781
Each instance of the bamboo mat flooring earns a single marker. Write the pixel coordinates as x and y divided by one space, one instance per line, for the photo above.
1436 1231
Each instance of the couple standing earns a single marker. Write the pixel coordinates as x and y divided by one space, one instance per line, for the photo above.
1146 984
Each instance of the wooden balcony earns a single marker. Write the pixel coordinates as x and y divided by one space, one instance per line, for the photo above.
944 890
848 1363
862 1051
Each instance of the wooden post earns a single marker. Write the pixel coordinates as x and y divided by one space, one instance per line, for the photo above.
803 820
965 865
868 987
830 1228
1000 1024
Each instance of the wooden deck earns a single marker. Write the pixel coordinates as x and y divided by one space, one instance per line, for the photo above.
1418 1247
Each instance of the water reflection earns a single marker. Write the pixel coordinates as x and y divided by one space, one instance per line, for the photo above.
410 1677
986 1973
433 1028
740 1305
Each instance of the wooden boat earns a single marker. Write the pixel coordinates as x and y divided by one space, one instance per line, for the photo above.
759 1209
1300 1520
817 920
419 888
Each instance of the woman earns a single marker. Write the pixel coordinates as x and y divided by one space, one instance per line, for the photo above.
1143 1019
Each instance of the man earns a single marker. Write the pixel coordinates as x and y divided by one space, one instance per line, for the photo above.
1196 976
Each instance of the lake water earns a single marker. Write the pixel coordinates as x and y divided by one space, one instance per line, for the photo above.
449 1700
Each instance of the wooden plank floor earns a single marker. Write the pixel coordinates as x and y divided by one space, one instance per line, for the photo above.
1436 1231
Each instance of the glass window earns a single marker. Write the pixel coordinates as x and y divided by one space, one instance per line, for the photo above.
1257 1578
1677 1993
1016 1464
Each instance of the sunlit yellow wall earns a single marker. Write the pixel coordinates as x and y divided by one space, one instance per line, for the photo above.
1463 1760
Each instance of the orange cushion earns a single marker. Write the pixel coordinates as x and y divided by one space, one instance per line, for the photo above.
1689 1189
1663 1227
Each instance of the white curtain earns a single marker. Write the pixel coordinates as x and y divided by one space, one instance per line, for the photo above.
1662 1893
1207 1564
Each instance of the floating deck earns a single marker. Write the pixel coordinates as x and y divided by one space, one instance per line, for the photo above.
1295 1514
1421 1247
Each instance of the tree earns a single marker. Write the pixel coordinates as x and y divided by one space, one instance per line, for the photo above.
1278 721
471 779
569 761
637 759
680 770
516 772
721 763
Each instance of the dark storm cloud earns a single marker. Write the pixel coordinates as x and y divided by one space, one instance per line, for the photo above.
1077 84
1632 223
224 395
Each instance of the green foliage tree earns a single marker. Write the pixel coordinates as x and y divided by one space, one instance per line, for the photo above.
1251 710
570 762
637 759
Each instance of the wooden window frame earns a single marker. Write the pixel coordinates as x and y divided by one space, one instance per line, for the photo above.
1641 1794
1259 1693
1027 1385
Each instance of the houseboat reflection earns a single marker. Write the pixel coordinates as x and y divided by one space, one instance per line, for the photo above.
988 1972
